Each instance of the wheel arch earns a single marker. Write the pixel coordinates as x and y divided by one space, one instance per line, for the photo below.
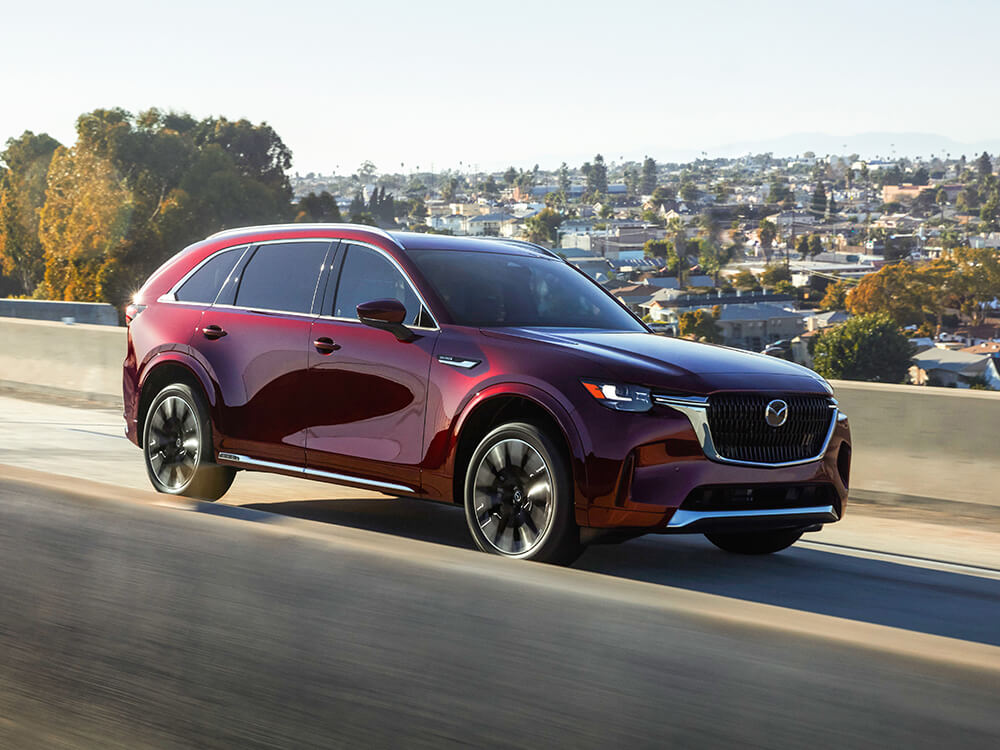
490 409
170 368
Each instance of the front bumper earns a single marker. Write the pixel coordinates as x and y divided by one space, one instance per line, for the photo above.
660 483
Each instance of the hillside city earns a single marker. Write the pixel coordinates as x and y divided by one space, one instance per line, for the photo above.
759 253
879 268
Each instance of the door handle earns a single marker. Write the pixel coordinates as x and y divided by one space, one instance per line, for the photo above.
213 332
325 345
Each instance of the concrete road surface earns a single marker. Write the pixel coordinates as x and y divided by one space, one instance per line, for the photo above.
306 615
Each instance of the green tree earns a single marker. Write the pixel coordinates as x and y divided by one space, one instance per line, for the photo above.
819 199
984 165
832 206
700 325
631 179
815 245
688 191
136 188
597 176
988 214
543 226
661 195
713 257
659 249
920 177
768 234
23 187
647 181
866 347
802 245
490 187
318 208
563 178
449 189
745 281
774 273
418 210
367 172
779 191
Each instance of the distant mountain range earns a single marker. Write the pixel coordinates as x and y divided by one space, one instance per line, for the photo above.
867 145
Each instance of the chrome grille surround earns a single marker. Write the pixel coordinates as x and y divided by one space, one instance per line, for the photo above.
724 425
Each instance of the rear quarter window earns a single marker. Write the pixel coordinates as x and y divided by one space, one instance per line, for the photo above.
204 284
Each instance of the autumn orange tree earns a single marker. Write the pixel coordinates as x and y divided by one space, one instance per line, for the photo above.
23 184
134 189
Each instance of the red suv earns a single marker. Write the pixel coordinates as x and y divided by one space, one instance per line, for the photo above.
487 373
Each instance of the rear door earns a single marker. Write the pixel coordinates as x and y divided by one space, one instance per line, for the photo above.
368 390
255 340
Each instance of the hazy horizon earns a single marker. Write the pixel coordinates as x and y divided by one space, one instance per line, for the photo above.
440 85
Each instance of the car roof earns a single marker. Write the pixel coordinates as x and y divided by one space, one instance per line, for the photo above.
422 241
405 240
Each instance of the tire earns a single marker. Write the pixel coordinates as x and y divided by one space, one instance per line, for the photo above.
177 446
511 515
755 542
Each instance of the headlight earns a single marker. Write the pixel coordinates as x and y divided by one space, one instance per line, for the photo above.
619 397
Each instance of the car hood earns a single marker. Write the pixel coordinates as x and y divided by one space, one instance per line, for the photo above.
670 364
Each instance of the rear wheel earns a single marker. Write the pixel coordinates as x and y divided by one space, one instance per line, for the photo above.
519 496
177 445
755 542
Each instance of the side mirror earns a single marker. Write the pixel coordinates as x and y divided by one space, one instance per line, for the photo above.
387 315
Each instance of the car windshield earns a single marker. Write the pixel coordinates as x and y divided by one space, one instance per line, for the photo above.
487 289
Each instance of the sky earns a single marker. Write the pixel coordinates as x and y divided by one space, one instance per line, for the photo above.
465 85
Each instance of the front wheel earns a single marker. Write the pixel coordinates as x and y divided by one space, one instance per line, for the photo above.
177 445
519 496
755 542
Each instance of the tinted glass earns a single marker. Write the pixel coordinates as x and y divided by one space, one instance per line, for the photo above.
206 282
282 276
494 289
367 276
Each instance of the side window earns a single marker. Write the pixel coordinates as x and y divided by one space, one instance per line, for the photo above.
282 276
368 275
205 283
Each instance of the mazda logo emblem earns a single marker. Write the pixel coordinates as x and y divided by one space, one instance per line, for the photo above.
776 413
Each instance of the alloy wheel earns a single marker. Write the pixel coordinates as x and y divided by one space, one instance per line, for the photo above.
513 497
173 442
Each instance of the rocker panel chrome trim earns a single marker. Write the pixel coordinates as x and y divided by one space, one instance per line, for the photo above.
258 463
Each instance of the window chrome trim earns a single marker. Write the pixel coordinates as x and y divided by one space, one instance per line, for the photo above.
695 408
171 296
684 518
404 274
257 463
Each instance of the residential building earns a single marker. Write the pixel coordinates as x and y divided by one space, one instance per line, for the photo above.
955 369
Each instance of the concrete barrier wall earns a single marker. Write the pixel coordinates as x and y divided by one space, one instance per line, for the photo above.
97 313
45 357
927 442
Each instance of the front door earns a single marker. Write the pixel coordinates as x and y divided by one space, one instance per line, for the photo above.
368 389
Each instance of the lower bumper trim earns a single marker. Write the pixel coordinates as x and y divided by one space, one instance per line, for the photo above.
688 519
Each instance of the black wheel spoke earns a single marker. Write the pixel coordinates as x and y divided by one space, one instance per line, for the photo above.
512 496
173 443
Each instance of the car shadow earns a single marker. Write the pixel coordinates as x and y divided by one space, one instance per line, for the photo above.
882 592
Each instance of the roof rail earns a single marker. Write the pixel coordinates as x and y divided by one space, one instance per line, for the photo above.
260 227
533 246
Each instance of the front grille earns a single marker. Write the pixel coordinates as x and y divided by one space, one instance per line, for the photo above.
740 430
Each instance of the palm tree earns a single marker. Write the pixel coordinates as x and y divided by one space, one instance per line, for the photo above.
677 233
